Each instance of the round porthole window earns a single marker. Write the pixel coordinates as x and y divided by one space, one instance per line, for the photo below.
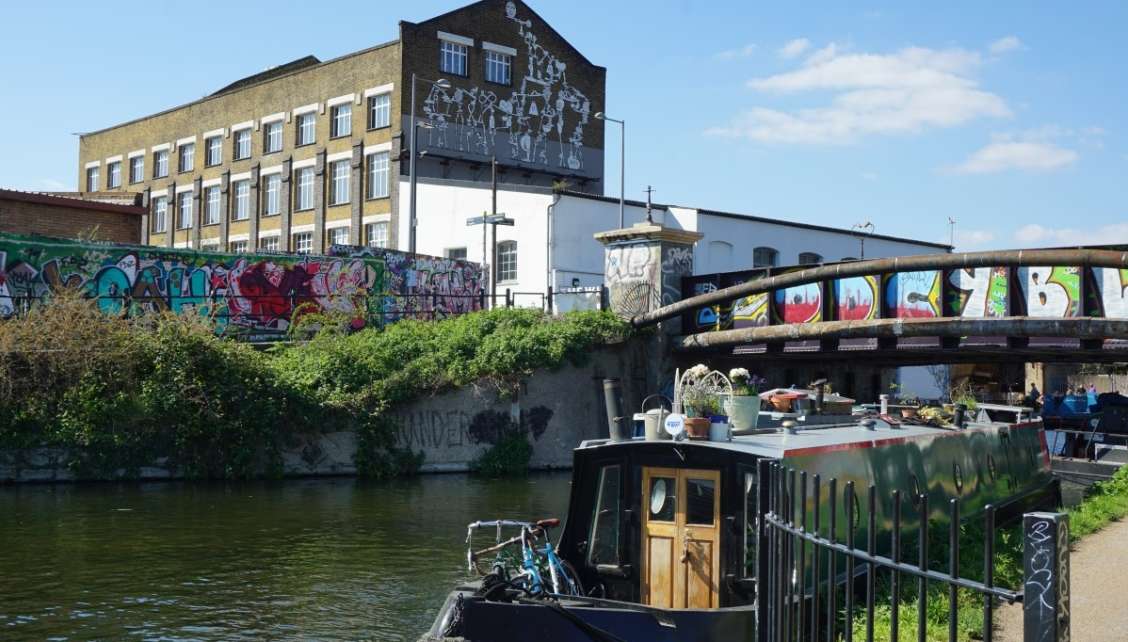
658 496
957 475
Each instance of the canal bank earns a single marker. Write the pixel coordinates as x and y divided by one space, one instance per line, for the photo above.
326 559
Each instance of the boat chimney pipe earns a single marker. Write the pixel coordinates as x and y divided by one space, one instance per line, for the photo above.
884 404
612 397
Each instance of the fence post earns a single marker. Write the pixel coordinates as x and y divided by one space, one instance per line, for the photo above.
481 298
1045 577
549 300
763 567
508 301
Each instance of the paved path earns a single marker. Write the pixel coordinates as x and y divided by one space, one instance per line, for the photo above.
1098 577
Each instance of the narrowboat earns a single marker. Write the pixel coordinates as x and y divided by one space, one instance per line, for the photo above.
661 532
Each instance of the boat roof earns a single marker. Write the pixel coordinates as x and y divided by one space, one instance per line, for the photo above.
806 440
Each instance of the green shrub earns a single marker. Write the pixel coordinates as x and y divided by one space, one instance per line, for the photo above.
508 457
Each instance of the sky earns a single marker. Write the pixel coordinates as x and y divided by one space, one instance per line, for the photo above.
1008 118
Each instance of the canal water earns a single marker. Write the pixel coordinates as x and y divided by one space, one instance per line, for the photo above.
326 559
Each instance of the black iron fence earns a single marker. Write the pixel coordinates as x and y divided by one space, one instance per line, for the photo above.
810 577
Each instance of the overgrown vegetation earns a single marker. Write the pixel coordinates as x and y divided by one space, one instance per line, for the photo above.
119 393
1105 503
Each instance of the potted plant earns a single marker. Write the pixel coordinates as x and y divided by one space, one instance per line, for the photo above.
700 402
744 407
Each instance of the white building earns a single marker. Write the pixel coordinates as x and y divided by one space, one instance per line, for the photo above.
551 241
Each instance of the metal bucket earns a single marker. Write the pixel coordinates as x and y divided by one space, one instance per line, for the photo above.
655 418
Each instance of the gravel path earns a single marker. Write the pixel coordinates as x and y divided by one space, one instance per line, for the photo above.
1098 577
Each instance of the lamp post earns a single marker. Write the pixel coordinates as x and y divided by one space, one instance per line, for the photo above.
441 83
622 161
863 229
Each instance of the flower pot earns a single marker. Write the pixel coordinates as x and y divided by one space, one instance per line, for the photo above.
783 402
719 428
909 412
743 412
697 427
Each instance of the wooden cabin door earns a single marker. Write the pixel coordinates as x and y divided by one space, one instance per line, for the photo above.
681 538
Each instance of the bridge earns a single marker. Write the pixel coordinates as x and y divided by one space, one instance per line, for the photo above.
1012 306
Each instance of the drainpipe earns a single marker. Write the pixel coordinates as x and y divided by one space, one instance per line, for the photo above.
549 241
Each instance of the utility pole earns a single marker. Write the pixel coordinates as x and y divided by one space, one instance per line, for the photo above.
952 232
863 229
649 191
493 214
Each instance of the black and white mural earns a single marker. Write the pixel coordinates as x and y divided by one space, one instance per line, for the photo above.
541 121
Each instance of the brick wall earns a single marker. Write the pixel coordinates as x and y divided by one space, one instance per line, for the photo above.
19 217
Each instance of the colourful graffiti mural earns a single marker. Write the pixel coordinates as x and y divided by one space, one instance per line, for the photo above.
979 292
856 298
251 295
1112 284
1051 292
913 294
799 304
751 311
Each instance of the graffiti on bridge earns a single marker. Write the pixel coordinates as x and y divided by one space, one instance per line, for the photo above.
255 296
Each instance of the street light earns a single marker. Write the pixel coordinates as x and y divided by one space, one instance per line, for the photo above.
441 83
865 228
622 161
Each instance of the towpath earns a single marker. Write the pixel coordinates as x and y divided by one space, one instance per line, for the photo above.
1098 578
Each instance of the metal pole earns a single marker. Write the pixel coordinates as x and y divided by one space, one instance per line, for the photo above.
493 257
487 264
622 171
411 206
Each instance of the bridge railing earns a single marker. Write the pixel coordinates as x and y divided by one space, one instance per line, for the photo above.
1012 293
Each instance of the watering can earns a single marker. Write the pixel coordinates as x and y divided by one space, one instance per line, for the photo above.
654 418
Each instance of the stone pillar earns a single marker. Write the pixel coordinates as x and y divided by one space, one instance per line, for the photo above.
287 204
253 220
1045 604
197 218
224 217
319 193
644 265
356 200
171 214
146 202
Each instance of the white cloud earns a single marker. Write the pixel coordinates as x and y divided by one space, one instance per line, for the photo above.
1038 235
794 48
739 52
876 94
1004 45
1017 155
972 238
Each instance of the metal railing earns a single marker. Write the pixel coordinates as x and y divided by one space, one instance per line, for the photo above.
808 576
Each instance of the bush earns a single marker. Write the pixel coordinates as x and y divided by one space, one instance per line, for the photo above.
508 457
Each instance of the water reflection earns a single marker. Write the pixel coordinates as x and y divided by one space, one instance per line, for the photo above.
333 559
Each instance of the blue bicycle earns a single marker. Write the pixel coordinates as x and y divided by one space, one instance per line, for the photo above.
528 572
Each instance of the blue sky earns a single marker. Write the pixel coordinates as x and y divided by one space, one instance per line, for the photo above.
1008 118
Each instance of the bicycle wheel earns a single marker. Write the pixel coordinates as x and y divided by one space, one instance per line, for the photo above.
572 577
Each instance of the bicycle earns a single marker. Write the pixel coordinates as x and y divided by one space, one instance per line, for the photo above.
563 578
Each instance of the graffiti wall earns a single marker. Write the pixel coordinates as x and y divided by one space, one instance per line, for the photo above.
914 294
799 304
856 298
632 271
253 296
540 121
1053 292
979 292
1112 285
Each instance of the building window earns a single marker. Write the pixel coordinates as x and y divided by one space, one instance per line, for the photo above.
376 234
184 210
810 258
215 151
160 164
303 195
340 176
303 242
242 200
242 144
187 157
458 253
136 169
113 175
209 245
272 137
272 204
765 257
453 58
507 261
341 120
211 205
160 214
378 175
307 128
239 247
379 111
92 179
269 243
498 67
339 236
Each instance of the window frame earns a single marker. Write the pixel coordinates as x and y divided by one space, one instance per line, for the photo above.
335 231
239 247
139 176
805 258
160 214
498 60
181 156
616 526
218 158
297 237
452 51
244 186
369 228
372 173
502 250
208 203
93 177
158 156
450 251
300 174
773 262
272 185
335 120
373 109
110 175
182 198
335 180
267 136
274 238
236 144
301 119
